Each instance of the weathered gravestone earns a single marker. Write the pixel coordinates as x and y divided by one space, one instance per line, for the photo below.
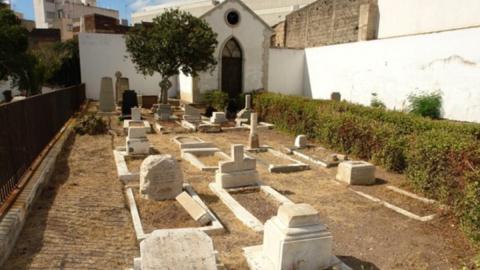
107 101
356 173
177 249
137 142
295 237
136 114
240 171
129 101
161 178
121 84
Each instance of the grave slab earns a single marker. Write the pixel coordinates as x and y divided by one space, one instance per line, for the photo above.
179 249
107 100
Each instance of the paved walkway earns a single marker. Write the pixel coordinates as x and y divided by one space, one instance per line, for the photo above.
81 220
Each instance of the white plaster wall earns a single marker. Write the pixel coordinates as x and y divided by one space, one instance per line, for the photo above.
250 33
407 17
286 71
101 55
394 68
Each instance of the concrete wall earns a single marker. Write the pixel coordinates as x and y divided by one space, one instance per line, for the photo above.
393 68
286 71
101 55
407 17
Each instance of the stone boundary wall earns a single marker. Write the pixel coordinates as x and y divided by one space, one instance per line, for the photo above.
327 22
390 68
11 224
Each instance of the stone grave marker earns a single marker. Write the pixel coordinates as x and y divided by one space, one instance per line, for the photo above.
179 249
107 101
356 173
194 209
161 178
129 100
191 114
137 142
240 171
243 116
136 114
301 141
295 237
218 118
253 141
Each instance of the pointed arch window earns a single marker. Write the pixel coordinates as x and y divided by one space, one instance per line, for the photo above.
232 49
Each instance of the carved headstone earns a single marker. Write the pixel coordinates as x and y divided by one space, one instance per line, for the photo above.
243 116
161 178
107 102
238 172
218 118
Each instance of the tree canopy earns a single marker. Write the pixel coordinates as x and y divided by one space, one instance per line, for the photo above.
13 43
175 41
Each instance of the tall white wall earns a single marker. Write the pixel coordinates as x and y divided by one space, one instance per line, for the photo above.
393 69
408 17
101 55
286 71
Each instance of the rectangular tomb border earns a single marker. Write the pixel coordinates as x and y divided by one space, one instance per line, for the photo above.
124 174
214 226
197 157
131 123
290 165
240 212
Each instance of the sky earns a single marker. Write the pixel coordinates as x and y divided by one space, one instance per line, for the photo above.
125 7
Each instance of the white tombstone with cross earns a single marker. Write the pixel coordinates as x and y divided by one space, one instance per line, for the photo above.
240 171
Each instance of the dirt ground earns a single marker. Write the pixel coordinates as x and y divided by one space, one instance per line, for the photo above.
257 203
366 235
81 220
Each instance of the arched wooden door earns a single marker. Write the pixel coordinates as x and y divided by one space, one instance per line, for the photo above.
232 68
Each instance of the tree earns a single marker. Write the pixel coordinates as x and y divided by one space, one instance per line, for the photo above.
175 41
13 43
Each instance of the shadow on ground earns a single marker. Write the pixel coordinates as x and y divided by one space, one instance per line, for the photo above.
357 264
30 240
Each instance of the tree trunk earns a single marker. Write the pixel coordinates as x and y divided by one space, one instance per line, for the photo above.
165 84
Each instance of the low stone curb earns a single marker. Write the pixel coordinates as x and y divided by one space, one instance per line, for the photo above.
13 221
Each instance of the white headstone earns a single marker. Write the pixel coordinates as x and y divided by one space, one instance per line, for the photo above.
136 114
301 141
179 249
161 178
238 172
295 239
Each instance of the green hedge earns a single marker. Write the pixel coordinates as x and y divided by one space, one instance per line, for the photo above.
440 158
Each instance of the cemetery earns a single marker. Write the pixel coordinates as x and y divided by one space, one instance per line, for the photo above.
215 171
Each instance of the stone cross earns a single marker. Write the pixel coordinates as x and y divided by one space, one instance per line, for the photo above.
253 141
238 172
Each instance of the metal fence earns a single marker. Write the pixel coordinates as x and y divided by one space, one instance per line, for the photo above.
27 127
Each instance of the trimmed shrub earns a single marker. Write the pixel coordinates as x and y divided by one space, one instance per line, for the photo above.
91 125
438 157
426 104
216 99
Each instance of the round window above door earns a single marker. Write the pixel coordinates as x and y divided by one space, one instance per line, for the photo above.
232 17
